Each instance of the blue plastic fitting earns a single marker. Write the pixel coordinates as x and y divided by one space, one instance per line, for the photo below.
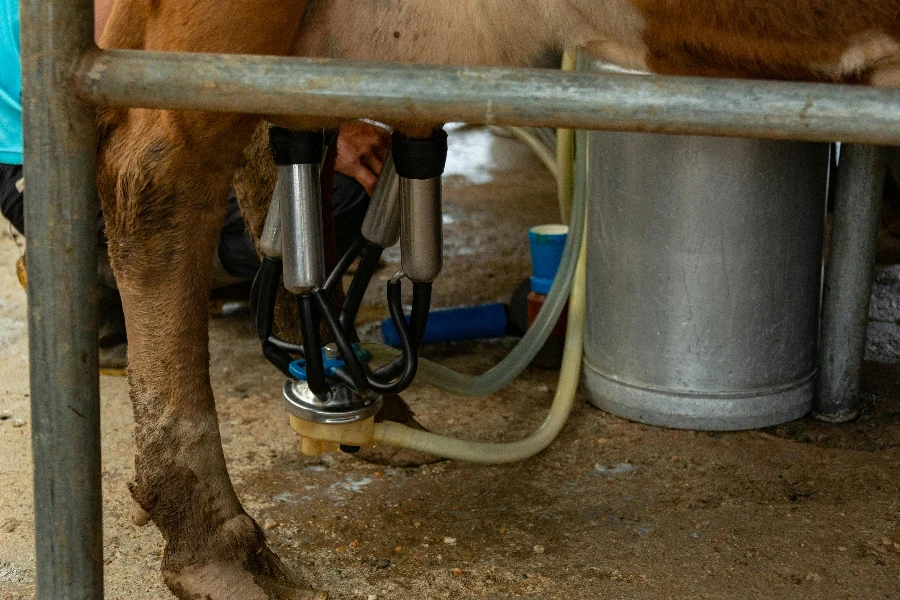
298 367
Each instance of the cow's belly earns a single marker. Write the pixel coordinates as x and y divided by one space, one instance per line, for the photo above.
843 41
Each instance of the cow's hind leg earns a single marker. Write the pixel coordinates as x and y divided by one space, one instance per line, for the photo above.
164 179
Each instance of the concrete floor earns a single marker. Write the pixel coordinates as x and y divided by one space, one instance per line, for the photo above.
613 509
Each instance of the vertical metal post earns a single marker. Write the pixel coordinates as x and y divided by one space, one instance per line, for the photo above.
848 281
61 221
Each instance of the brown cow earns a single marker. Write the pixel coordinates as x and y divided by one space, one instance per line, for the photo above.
163 178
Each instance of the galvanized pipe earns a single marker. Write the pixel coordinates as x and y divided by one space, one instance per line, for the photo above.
848 281
61 213
338 89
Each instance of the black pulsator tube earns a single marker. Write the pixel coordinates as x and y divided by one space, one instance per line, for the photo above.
409 358
341 268
421 305
266 284
254 295
287 346
352 363
309 329
265 317
368 263
278 358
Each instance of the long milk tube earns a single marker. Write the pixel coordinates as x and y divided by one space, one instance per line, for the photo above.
395 434
521 356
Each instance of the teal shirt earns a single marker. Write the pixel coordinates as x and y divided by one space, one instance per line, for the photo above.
10 85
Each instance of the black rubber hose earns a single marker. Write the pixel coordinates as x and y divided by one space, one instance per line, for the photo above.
254 316
344 377
278 358
344 264
261 285
421 306
368 262
351 362
409 360
309 329
286 345
418 320
254 294
266 284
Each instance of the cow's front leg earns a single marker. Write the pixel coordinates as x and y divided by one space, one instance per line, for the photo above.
164 179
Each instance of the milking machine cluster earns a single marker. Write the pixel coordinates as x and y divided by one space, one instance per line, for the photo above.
333 385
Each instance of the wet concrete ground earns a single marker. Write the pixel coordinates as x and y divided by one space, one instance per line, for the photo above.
613 509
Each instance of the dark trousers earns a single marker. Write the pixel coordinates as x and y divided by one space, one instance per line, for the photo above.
11 199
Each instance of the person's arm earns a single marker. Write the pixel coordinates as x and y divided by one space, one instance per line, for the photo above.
102 8
361 151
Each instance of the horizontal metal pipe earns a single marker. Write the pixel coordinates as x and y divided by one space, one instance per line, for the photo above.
488 95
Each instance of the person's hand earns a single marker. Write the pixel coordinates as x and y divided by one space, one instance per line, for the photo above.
361 148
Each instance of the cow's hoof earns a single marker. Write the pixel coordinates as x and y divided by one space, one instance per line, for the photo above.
396 410
231 563
114 360
261 577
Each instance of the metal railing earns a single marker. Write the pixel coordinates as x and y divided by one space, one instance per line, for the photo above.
489 96
65 76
